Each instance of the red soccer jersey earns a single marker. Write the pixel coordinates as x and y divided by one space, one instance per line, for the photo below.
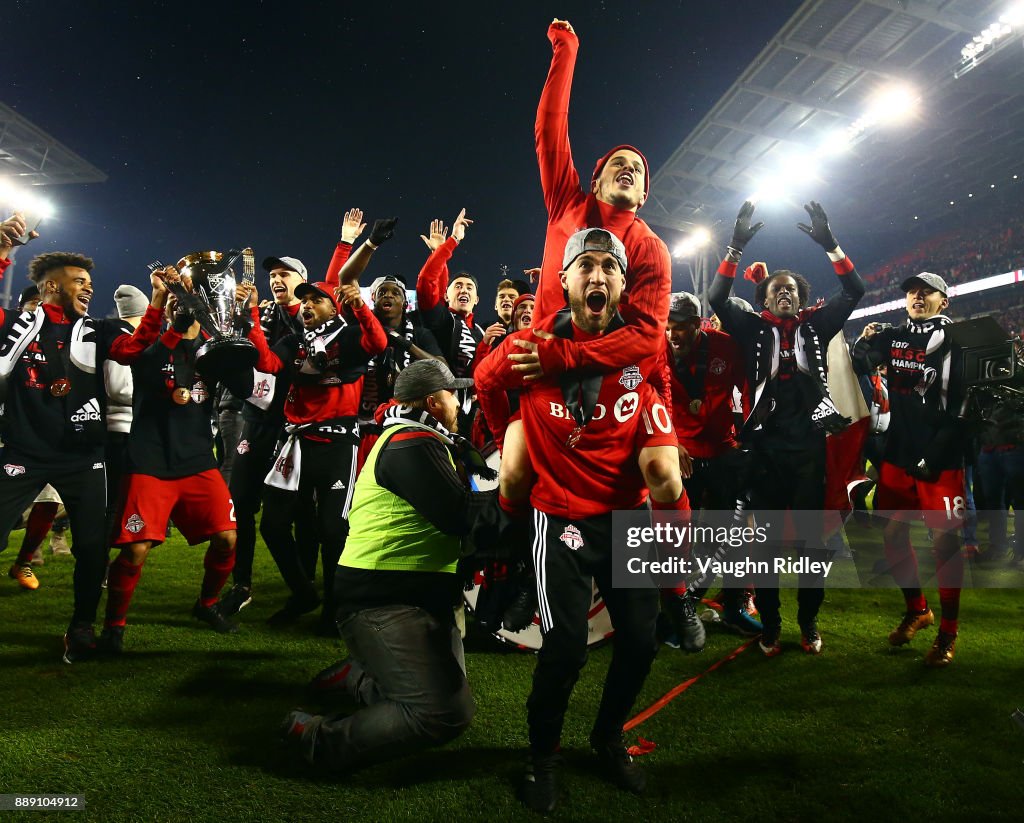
600 473
712 368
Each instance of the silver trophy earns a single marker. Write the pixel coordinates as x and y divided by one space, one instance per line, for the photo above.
222 319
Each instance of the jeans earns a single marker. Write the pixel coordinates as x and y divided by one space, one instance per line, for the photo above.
1002 476
408 672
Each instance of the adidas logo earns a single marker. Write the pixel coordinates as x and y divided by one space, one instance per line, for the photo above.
88 413
337 485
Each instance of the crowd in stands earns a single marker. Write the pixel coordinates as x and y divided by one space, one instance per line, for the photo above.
966 253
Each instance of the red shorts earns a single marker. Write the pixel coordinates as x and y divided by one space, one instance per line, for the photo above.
942 503
199 504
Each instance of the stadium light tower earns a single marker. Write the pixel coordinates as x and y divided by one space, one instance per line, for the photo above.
30 159
991 39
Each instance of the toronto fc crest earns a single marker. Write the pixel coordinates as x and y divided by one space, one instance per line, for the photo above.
631 377
571 537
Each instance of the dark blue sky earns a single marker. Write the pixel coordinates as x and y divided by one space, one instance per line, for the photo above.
258 124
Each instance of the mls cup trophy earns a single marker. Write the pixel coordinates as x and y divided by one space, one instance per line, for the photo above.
223 320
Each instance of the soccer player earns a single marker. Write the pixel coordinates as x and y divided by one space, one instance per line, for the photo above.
407 342
316 465
451 319
705 368
54 430
585 433
922 471
786 352
503 302
171 472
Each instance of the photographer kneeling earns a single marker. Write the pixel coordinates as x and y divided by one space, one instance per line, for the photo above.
397 585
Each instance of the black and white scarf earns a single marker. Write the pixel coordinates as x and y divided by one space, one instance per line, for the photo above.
383 371
83 409
810 360
398 414
930 337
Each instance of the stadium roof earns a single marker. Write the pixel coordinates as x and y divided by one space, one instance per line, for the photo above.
812 82
31 157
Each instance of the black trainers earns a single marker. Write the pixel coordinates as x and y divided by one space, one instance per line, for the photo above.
212 617
540 790
293 609
520 613
618 765
234 600
689 628
79 643
111 640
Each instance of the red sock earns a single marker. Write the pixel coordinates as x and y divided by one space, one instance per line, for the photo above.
121 583
903 564
40 520
218 568
950 600
916 602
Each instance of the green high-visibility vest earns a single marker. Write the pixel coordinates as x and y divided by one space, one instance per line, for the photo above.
386 533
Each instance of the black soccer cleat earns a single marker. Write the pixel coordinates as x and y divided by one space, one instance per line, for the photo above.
111 640
689 628
294 608
212 617
79 643
234 600
618 765
540 788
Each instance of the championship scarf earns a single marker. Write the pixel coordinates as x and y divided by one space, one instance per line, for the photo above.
930 336
461 354
384 369
83 412
286 469
810 362
465 453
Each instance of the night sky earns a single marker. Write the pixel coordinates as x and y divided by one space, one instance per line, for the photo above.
223 125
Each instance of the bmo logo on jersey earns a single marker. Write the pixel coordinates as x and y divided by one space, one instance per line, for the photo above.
624 409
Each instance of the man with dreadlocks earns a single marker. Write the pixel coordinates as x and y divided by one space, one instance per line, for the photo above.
922 469
407 343
786 349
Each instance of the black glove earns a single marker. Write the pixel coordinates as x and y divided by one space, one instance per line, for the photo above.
383 230
819 230
183 320
743 232
398 341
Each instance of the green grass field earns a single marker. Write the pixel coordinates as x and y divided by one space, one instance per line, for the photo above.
184 725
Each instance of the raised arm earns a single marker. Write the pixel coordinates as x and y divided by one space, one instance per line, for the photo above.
382 231
558 176
127 348
432 282
373 339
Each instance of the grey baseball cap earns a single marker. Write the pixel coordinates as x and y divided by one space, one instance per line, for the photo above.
424 377
683 306
594 240
926 278
290 263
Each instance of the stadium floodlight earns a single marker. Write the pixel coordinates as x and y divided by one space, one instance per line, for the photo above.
696 239
990 39
23 199
892 104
